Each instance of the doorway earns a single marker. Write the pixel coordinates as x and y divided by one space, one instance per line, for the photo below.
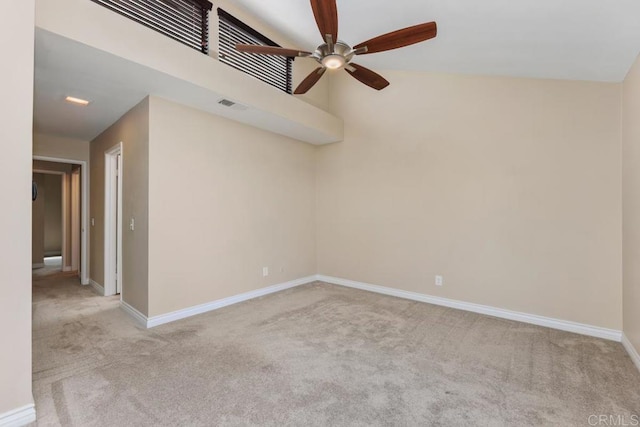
47 220
113 221
75 196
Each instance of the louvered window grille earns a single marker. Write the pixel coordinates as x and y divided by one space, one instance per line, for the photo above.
186 21
271 69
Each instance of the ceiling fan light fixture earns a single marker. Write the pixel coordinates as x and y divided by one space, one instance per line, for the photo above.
333 61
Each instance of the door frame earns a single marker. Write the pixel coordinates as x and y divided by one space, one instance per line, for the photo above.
75 196
112 227
84 177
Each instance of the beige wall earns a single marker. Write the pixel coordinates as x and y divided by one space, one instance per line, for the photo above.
60 147
631 204
225 200
52 215
509 188
132 130
16 106
37 222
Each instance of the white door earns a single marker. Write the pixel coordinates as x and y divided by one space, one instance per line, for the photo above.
113 221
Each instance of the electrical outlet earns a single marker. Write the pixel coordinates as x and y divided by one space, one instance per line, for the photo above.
439 281
265 271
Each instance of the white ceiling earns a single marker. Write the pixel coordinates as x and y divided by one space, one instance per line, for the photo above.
563 39
66 68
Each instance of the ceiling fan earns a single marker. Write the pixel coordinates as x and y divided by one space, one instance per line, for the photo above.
334 54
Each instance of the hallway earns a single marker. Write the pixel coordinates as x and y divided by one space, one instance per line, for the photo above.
70 338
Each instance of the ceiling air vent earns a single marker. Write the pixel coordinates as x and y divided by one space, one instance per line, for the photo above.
226 103
230 104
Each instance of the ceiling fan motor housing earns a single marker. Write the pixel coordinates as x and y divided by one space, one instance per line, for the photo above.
340 49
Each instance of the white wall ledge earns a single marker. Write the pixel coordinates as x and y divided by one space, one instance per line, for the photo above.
91 36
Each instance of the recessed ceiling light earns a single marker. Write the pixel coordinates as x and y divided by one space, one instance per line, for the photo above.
78 101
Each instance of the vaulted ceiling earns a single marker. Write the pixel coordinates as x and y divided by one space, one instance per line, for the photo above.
562 39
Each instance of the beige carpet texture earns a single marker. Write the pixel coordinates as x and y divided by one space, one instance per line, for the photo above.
316 355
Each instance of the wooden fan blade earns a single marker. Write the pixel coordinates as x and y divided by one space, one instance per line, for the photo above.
326 14
271 50
400 38
310 81
367 76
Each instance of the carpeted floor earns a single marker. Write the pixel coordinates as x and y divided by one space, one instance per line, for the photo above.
315 355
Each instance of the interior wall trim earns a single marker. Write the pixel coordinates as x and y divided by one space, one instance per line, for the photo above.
140 318
633 353
150 322
19 417
97 286
563 325
224 302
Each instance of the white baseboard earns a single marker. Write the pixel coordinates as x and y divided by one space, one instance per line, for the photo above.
563 325
139 317
97 286
161 319
38 265
214 305
633 353
18 417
